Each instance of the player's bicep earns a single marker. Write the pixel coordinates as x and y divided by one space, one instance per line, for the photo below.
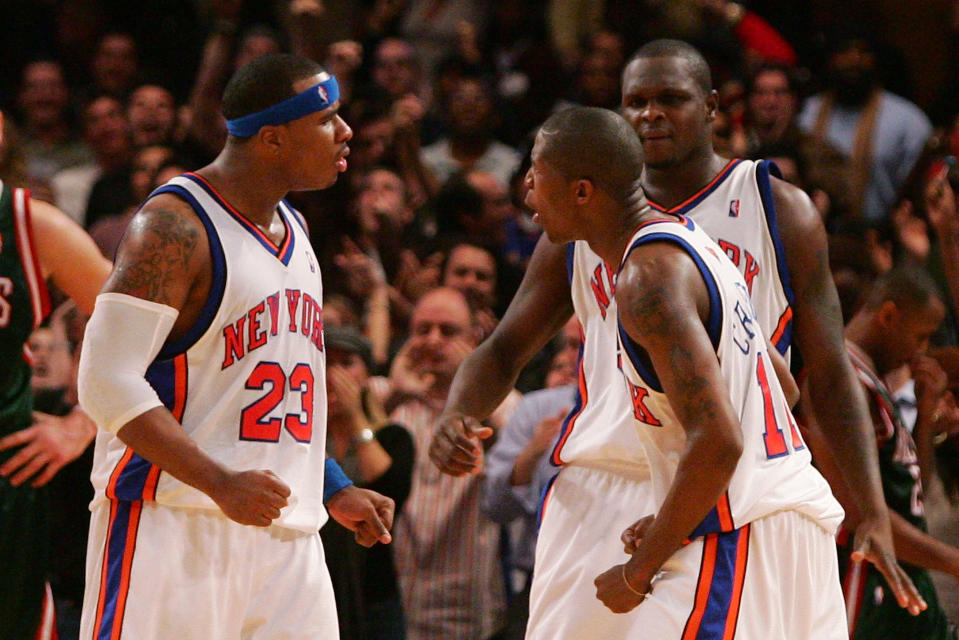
68 255
161 253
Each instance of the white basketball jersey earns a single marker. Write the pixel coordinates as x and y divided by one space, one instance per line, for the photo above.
247 382
600 429
774 472
736 210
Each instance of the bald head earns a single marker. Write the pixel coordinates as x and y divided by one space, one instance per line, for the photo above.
595 144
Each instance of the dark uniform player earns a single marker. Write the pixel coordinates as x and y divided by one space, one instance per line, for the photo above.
872 611
36 241
23 538
893 328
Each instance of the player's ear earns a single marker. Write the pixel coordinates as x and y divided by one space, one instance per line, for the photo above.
712 105
272 137
583 190
887 314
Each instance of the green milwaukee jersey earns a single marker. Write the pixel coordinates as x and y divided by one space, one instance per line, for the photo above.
898 459
872 608
23 305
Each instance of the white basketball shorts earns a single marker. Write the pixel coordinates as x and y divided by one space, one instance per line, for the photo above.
774 578
155 573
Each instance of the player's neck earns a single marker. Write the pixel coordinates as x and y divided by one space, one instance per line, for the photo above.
609 241
252 193
672 185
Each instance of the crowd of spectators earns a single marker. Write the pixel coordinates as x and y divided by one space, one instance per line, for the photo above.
425 239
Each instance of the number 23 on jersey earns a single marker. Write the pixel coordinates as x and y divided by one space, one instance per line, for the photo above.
264 419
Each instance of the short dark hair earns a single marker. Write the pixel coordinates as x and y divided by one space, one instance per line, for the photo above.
597 144
907 286
264 82
696 64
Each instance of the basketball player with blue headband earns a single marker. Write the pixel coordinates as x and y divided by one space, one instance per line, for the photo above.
204 367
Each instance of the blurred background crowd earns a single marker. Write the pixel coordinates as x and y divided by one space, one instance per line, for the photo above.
425 239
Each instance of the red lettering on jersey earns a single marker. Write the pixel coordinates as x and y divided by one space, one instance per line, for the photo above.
274 302
306 318
292 300
751 271
640 410
233 342
317 336
602 289
257 338
249 332
731 250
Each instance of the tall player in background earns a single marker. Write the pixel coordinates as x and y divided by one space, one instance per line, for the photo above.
37 242
203 364
683 106
712 423
773 233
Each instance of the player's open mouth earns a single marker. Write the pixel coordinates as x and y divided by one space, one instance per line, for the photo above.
341 163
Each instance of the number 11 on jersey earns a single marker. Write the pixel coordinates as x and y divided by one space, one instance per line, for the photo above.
772 433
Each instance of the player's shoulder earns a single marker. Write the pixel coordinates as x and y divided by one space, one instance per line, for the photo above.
657 264
165 229
168 214
46 217
795 211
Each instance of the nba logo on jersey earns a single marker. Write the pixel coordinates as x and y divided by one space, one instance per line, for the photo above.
734 208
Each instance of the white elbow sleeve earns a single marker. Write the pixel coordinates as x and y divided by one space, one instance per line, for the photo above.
123 337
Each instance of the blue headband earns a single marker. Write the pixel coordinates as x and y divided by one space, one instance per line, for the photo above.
317 98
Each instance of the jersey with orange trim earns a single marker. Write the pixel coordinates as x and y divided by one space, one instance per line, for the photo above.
599 430
736 210
774 472
247 382
23 305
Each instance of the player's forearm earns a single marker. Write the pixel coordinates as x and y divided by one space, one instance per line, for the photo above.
157 437
915 547
826 463
843 417
482 382
703 474
923 434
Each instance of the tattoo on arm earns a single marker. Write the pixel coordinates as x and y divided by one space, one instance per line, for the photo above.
696 394
650 309
657 317
159 259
